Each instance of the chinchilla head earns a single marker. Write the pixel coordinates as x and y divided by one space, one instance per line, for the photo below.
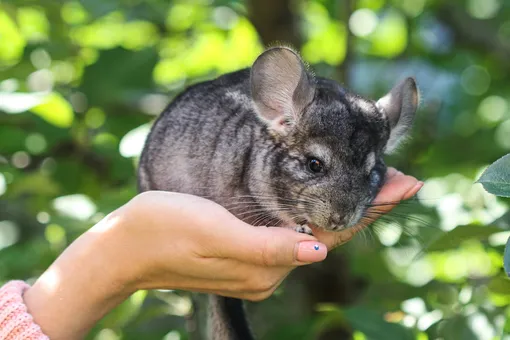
334 140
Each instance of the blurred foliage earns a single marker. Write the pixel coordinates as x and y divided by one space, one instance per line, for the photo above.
81 81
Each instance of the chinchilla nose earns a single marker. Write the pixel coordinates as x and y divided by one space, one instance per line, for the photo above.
338 219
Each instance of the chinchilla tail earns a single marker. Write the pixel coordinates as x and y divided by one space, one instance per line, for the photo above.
227 319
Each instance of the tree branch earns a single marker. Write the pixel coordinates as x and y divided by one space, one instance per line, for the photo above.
275 21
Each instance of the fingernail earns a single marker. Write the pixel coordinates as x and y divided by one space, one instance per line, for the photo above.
414 190
311 251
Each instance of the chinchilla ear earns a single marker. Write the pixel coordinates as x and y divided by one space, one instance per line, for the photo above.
399 106
280 87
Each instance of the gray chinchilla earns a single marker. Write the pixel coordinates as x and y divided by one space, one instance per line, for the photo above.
276 146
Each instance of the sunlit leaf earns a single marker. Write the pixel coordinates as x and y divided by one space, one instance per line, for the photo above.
12 42
73 12
139 34
372 4
496 178
33 23
182 16
55 110
55 234
241 48
389 39
454 238
327 38
105 33
327 46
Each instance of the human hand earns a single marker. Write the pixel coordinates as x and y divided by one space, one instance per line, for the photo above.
163 240
397 187
166 240
178 241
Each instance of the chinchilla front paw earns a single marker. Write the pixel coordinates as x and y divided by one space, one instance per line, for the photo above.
303 229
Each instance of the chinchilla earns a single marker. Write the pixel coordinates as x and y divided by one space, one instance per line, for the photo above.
296 149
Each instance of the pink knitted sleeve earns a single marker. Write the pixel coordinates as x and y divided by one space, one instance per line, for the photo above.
15 322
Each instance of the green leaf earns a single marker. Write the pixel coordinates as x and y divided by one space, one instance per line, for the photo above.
496 178
500 285
456 328
454 238
373 325
129 77
34 183
506 258
55 110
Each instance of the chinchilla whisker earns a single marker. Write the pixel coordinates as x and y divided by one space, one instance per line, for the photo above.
391 219
392 225
303 199
261 204
268 197
244 213
362 231
380 223
258 210
238 207
270 219
276 188
365 233
418 220
385 222
296 216
253 214
390 203
383 204
407 202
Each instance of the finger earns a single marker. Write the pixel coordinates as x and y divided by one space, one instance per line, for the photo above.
391 172
260 280
333 239
272 246
397 188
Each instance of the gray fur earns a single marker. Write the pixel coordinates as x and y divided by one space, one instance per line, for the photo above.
244 139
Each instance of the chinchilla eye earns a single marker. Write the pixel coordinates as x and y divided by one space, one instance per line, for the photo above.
315 165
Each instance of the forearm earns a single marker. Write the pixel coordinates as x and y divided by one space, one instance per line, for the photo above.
83 285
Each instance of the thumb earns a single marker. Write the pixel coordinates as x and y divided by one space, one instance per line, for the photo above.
274 246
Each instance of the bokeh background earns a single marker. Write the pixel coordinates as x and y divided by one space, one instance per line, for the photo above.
81 82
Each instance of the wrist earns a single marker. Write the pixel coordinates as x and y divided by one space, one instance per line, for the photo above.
81 286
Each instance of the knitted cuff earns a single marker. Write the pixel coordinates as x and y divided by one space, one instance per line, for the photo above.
15 322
